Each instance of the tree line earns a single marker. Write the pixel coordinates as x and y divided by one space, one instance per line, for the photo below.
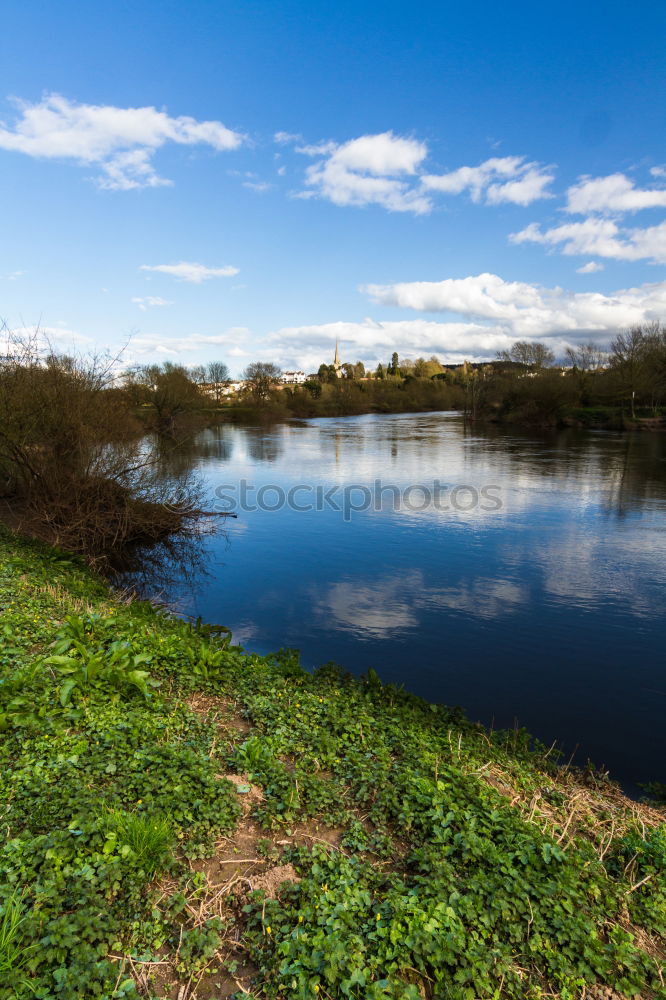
622 386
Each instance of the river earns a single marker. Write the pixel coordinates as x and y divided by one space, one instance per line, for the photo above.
520 575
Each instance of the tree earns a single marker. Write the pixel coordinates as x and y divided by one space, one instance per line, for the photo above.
217 374
169 389
327 373
534 354
586 357
359 370
261 377
394 367
217 371
638 358
74 467
380 371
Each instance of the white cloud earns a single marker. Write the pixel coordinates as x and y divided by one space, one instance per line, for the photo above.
382 155
500 179
614 193
386 169
526 310
12 275
259 186
147 301
43 339
368 341
601 238
591 267
658 171
286 138
121 141
190 271
373 169
157 344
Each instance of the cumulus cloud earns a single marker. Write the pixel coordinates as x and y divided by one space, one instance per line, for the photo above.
501 179
526 310
614 193
373 169
190 271
120 141
148 301
369 340
600 237
387 169
591 267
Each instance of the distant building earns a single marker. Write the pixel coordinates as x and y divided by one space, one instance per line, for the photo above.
226 388
217 389
293 378
337 364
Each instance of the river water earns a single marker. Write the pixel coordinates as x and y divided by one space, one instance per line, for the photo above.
520 575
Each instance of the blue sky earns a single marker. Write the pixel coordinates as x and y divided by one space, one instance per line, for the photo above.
243 181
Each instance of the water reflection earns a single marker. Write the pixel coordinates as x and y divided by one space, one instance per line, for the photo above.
392 606
263 445
548 608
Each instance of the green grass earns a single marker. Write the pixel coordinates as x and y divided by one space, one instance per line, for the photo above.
149 838
468 864
14 952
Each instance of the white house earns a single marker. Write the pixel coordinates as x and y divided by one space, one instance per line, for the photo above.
293 378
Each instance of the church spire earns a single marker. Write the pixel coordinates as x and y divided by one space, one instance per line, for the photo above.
336 361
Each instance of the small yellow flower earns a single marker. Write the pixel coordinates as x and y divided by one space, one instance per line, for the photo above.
316 987
379 916
268 930
324 887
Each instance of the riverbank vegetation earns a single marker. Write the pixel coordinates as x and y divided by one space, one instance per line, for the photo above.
75 467
620 389
183 819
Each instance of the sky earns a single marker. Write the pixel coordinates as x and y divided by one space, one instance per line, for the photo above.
243 181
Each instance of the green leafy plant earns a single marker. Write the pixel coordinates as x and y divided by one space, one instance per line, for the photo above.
113 665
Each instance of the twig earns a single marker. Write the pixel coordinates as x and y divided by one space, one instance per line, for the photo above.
639 884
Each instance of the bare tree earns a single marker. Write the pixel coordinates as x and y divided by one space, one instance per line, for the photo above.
261 377
534 354
169 389
73 466
638 358
217 374
587 357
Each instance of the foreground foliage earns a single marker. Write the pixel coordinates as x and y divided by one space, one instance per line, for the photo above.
467 864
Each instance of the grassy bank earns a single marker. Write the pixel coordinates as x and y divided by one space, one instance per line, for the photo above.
182 819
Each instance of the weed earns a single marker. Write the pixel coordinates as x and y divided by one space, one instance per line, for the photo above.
148 837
